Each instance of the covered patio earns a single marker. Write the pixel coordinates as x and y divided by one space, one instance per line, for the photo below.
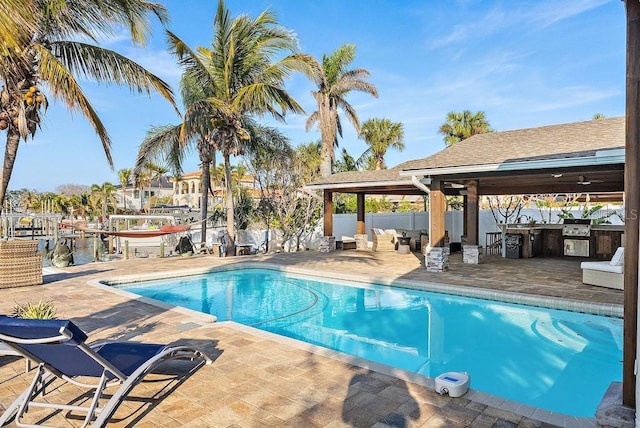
582 157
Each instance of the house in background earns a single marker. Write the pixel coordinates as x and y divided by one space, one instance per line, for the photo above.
136 198
188 190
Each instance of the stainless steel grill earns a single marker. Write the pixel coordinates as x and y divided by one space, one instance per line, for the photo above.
576 232
576 227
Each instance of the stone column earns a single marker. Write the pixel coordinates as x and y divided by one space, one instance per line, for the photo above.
437 259
470 254
327 244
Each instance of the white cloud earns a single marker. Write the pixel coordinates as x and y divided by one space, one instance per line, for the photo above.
514 15
159 62
571 96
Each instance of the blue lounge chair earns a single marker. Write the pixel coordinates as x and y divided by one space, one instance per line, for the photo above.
58 348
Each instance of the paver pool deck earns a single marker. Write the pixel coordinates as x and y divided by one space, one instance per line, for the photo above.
259 379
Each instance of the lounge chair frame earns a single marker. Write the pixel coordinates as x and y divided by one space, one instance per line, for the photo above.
45 374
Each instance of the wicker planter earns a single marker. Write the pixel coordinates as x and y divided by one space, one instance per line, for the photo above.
20 264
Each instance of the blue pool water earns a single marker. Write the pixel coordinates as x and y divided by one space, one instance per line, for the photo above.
556 360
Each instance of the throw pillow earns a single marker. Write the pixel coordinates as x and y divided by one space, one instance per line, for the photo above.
618 257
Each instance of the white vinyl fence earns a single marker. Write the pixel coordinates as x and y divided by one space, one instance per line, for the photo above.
345 224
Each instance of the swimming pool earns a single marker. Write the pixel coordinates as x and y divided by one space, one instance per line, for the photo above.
556 360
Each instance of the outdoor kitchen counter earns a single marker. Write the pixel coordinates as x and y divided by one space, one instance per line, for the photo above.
546 240
616 227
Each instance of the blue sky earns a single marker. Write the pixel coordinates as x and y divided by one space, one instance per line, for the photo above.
524 63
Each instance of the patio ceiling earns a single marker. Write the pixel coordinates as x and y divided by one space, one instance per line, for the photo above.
591 179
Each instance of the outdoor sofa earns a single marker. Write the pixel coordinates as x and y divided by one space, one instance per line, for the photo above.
608 274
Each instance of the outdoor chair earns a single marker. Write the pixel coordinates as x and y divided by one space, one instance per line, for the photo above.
608 274
5 351
59 350
383 240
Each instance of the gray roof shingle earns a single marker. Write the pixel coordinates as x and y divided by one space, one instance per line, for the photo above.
546 142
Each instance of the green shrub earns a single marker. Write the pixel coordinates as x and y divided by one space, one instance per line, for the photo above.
39 311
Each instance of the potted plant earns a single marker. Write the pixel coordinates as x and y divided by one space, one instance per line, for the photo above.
38 311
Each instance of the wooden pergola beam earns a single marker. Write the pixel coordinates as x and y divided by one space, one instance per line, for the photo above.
328 213
472 212
361 227
632 203
437 206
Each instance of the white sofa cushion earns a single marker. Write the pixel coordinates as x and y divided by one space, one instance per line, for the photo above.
618 257
602 266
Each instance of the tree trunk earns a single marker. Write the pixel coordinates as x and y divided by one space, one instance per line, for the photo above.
228 196
327 123
204 203
325 165
10 152
104 207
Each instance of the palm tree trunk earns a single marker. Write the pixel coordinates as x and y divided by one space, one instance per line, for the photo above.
204 203
328 134
325 165
10 152
104 207
231 241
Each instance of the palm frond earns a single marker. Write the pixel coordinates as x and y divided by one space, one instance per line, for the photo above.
107 66
17 19
259 97
64 87
162 143
350 112
311 120
188 59
348 84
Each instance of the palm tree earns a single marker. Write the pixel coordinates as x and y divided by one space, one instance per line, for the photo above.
347 163
145 175
103 195
241 80
217 176
157 173
124 176
368 163
167 143
334 84
28 200
460 126
47 51
380 135
598 116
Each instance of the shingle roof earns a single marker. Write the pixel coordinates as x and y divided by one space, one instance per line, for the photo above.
391 174
546 142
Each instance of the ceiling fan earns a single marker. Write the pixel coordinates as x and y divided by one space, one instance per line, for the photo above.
582 180
454 185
